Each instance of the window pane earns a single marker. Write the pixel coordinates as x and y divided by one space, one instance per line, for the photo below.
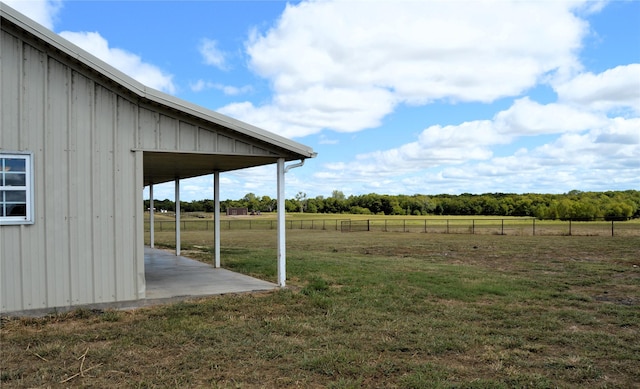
15 189
16 209
15 179
16 196
14 165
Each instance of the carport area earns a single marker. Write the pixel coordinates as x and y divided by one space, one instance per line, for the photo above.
170 276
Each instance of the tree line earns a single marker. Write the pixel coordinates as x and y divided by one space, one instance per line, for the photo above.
574 205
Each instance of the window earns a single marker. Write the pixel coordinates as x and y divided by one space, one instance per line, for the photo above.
16 185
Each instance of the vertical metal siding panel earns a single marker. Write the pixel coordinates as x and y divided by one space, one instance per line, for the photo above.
141 285
225 144
10 260
32 136
125 226
207 140
188 137
57 250
10 252
80 201
11 57
242 147
168 133
103 192
147 129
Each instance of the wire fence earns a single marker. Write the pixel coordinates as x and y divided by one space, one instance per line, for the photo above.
513 226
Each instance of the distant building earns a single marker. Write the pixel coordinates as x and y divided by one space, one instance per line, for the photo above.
237 211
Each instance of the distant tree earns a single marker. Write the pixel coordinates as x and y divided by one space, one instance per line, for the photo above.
338 195
301 198
267 204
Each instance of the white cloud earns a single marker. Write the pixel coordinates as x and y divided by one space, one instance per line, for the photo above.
128 63
208 48
42 11
527 117
588 147
612 90
228 90
346 65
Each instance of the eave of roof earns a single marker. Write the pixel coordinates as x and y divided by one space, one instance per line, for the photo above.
144 92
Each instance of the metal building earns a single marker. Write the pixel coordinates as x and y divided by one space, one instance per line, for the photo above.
79 141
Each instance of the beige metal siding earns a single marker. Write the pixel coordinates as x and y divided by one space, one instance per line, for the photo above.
84 246
80 191
55 189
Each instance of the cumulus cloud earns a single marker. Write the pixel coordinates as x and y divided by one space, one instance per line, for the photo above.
43 12
527 117
346 65
128 63
213 56
228 90
616 89
588 147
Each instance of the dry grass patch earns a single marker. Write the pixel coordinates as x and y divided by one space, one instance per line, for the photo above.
387 310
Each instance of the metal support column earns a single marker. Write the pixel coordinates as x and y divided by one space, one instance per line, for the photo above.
282 255
216 217
151 212
177 199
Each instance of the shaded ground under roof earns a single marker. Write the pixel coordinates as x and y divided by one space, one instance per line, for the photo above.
169 277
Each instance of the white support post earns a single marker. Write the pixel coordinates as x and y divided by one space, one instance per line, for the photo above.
177 199
216 217
151 225
282 255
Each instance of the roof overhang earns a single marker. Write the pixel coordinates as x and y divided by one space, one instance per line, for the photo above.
162 167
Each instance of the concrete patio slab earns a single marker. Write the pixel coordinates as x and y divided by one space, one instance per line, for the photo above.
170 276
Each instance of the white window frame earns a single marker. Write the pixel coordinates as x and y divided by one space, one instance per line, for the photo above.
28 188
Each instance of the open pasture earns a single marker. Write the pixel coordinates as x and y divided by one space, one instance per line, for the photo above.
474 225
366 309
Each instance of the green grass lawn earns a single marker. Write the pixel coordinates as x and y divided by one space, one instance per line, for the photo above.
369 309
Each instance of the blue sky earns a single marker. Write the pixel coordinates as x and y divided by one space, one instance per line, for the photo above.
397 97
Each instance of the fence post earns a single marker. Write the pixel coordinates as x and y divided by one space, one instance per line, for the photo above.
404 225
611 227
473 226
447 226
502 231
368 225
569 227
534 227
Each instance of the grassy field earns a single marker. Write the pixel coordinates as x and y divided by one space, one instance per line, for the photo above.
474 225
366 309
